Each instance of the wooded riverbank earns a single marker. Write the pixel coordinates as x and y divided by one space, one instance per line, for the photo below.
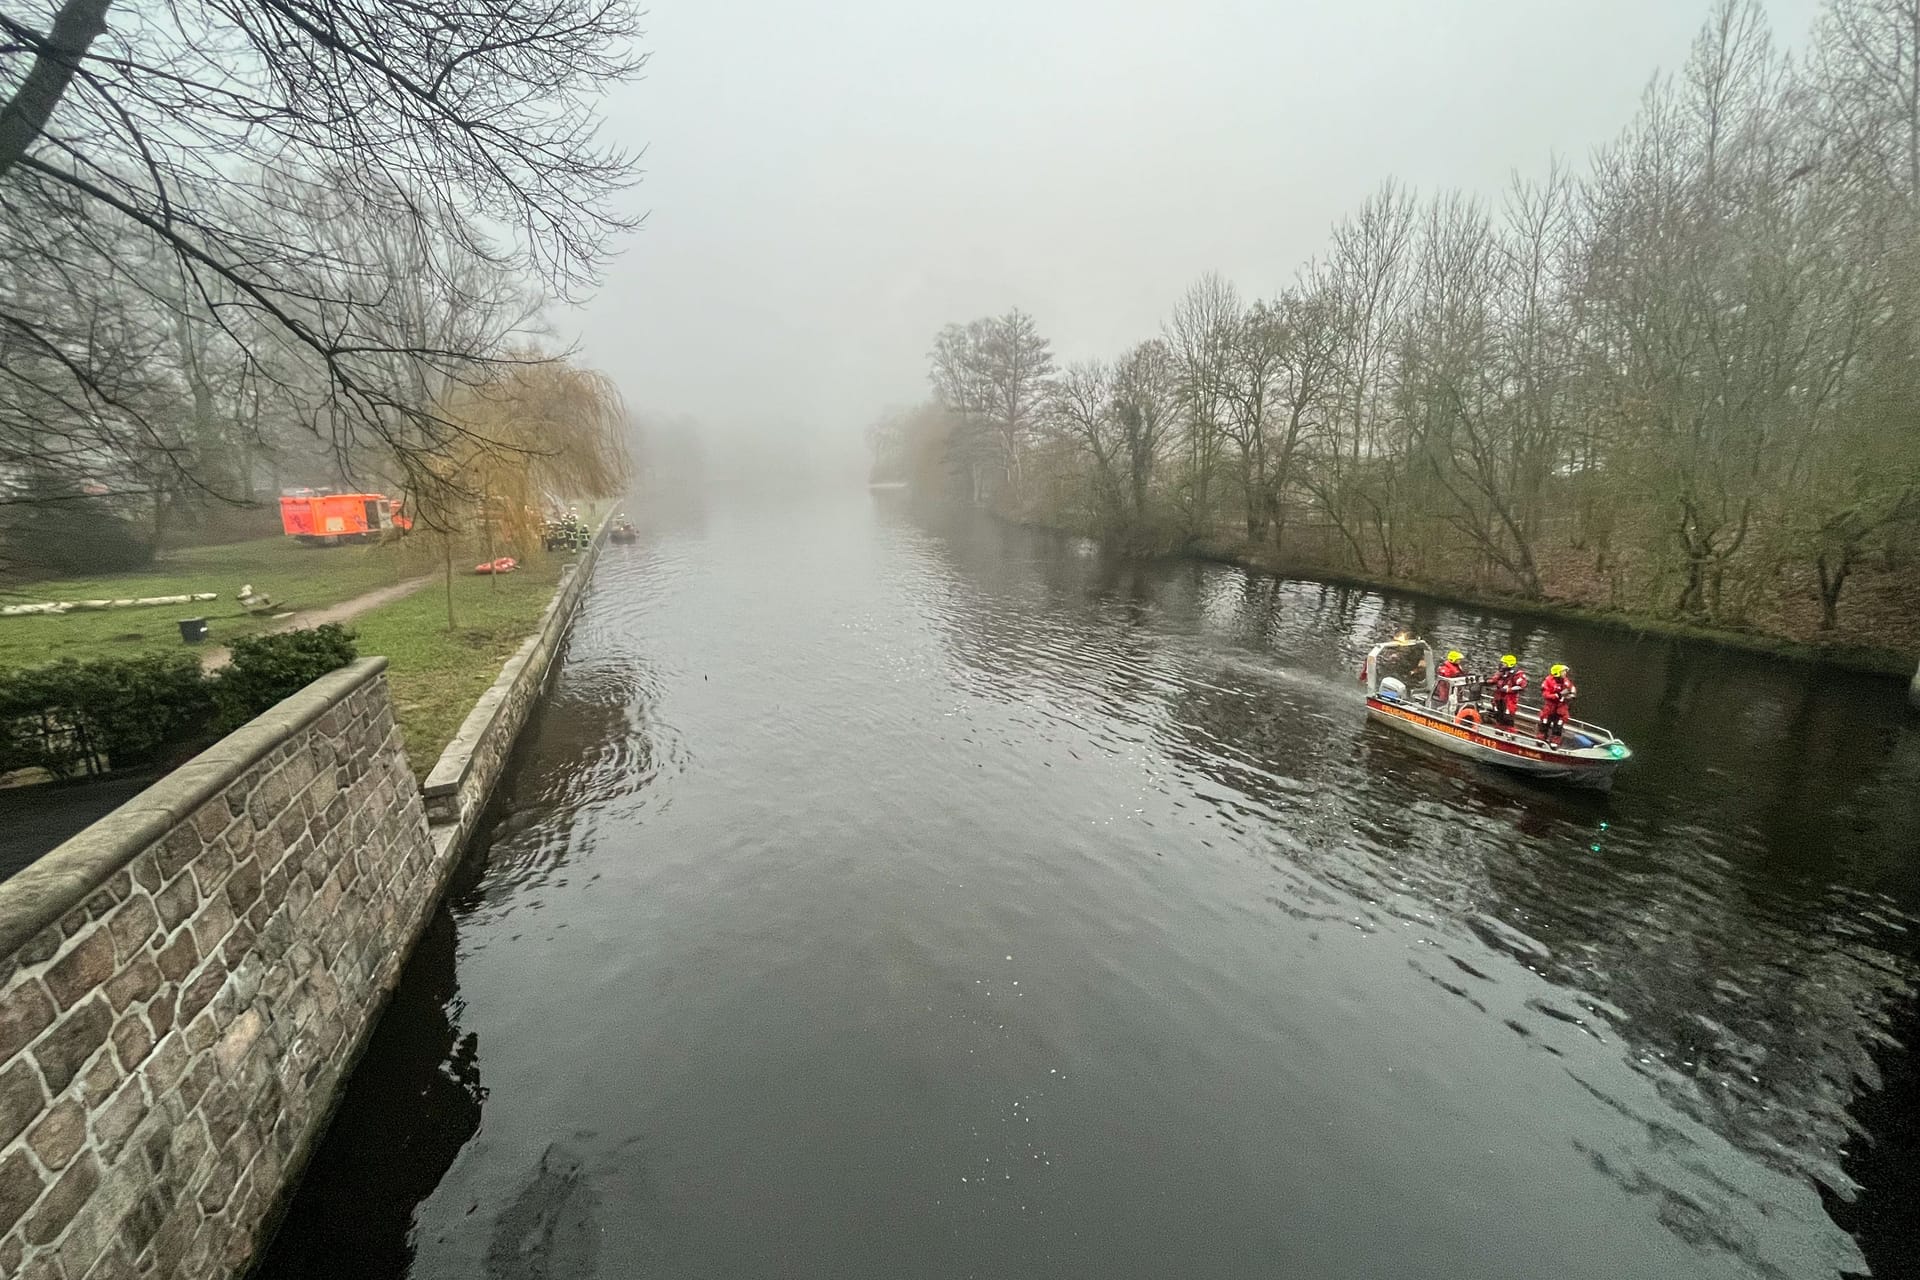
1673 390
1853 656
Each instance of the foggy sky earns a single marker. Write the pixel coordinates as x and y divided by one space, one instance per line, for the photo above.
826 185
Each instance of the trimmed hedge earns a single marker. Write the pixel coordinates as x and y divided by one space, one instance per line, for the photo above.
85 717
266 669
73 718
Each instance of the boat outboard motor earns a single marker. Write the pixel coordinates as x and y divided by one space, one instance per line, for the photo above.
1393 689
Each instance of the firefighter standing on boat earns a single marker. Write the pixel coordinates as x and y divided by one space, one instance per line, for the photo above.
1508 683
1447 673
1556 695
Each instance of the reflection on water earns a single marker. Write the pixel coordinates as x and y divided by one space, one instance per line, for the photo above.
552 1227
409 1109
877 896
598 744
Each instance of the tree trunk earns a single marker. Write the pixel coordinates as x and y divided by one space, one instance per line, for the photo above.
162 507
1254 486
75 27
1689 602
210 466
1832 580
1276 492
1530 584
446 543
486 523
1692 602
1203 454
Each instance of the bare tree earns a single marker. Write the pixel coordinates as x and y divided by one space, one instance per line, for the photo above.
1459 395
1725 319
1200 337
1247 387
1357 468
1867 64
1305 321
1146 391
995 373
1082 412
155 125
1485 355
1019 362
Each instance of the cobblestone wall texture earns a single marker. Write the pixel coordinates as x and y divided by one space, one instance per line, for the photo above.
185 983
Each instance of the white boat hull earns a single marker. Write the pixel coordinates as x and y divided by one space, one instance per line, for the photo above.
1520 752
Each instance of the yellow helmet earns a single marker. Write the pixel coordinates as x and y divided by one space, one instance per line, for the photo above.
1509 661
1453 655
1557 669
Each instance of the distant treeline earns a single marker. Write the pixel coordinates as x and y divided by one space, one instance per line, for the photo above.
1685 383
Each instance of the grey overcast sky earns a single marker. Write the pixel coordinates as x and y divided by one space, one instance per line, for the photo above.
827 184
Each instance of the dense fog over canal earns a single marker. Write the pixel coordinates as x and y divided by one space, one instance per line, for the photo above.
887 895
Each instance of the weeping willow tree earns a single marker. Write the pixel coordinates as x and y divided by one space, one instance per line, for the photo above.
539 432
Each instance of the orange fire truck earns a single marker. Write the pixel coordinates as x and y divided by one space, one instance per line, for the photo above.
324 519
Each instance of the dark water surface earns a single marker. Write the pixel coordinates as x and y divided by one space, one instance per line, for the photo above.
877 897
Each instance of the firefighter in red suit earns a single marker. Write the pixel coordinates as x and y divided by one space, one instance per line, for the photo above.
1556 694
1447 672
1509 682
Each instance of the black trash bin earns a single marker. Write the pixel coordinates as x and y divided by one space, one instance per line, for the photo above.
193 630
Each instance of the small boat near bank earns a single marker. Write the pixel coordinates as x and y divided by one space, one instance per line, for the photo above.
1400 680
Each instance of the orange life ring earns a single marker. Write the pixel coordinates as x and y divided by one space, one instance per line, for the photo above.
1467 715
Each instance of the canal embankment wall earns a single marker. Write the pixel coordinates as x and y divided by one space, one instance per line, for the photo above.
457 788
188 980
186 984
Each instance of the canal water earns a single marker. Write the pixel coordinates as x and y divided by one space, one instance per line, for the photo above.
883 896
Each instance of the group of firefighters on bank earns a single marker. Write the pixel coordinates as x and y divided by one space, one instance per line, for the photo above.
1506 685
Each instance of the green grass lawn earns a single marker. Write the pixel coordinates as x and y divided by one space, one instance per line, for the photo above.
438 674
302 577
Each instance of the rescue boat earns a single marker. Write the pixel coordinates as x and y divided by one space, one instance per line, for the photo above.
1400 678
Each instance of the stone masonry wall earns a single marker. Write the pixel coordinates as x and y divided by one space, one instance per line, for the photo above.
183 985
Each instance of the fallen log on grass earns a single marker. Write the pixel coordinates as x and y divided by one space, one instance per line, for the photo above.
88 606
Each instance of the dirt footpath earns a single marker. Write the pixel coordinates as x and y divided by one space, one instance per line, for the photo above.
345 611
